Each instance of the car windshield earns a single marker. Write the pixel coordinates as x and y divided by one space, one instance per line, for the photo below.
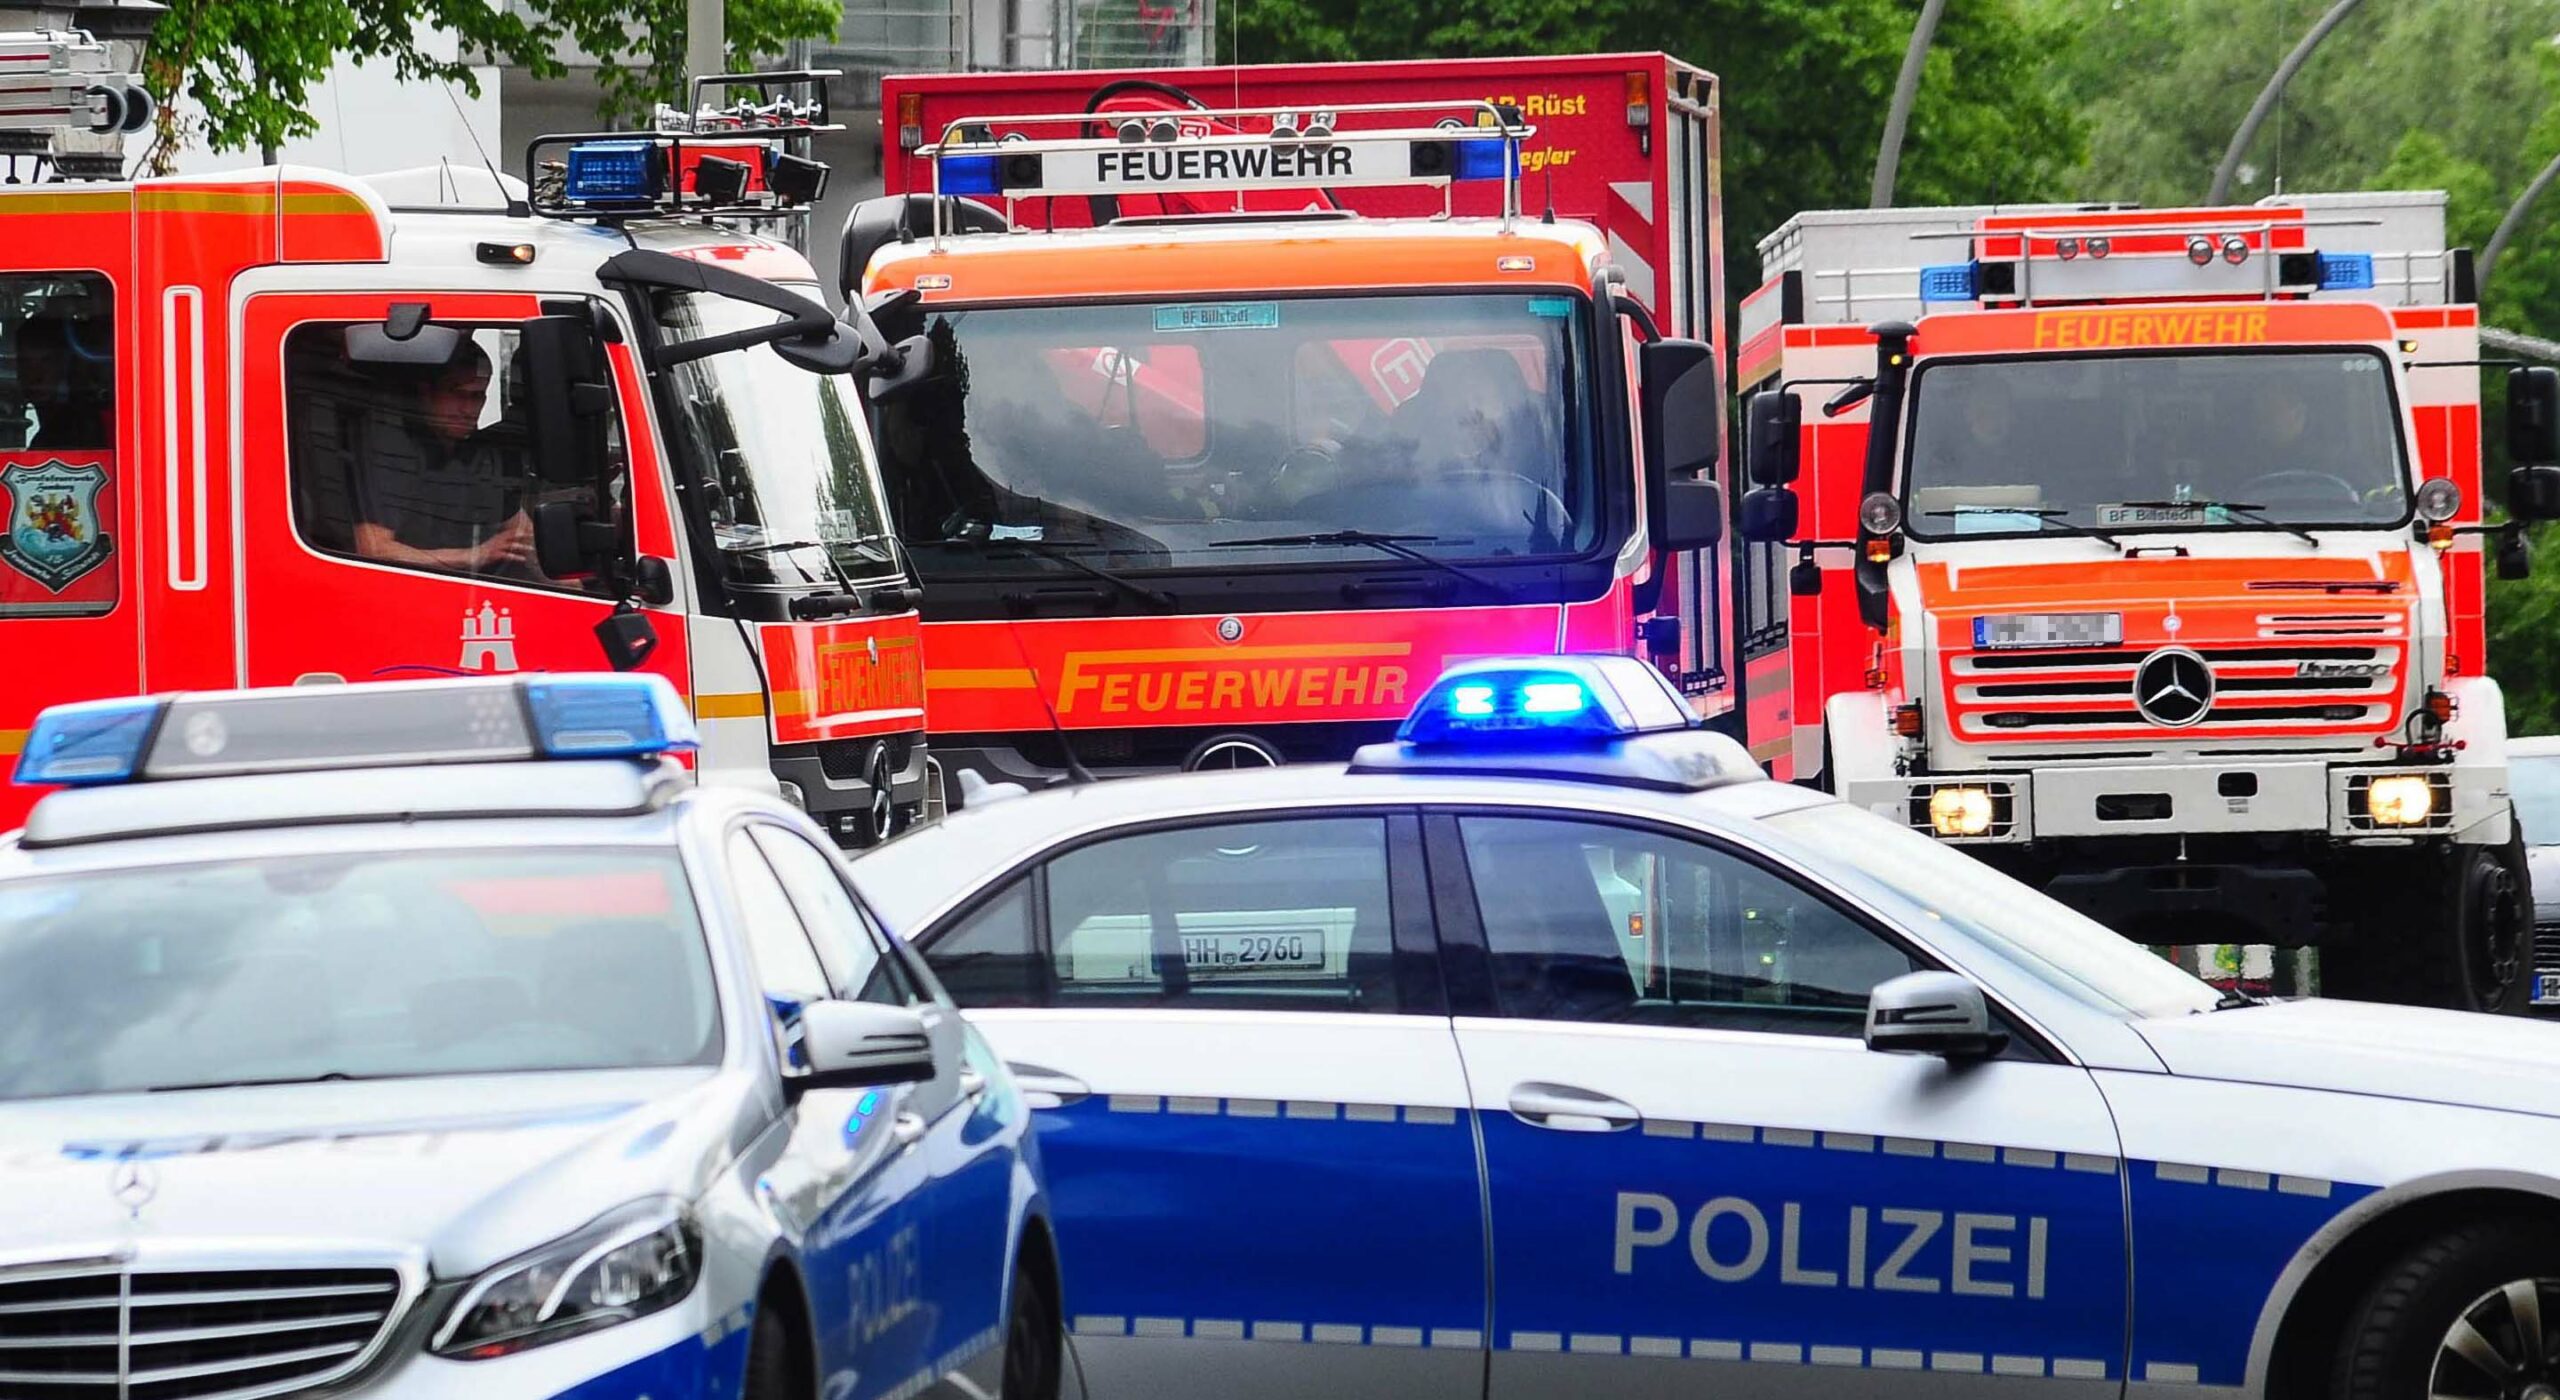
1207 435
2074 954
355 966
787 464
2536 784
2113 443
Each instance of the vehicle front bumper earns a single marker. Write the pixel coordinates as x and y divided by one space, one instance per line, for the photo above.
2197 797
831 780
683 1351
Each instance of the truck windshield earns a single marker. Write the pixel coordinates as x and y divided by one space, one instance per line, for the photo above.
295 969
782 454
1223 435
2114 443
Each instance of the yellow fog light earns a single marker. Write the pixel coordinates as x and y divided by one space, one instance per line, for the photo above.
1963 811
2403 800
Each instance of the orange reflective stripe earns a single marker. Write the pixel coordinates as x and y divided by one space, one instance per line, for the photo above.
12 740
65 203
991 678
743 705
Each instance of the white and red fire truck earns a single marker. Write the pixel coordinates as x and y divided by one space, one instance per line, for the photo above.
1246 420
2140 554
288 427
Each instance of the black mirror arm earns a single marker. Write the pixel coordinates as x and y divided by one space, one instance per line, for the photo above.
647 267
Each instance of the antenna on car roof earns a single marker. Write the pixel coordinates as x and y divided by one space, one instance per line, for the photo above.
516 208
1549 217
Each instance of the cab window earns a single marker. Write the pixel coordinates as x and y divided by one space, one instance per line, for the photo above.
1593 922
787 967
57 445
844 938
430 466
1276 914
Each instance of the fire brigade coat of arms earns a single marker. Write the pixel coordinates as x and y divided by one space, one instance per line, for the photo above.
53 531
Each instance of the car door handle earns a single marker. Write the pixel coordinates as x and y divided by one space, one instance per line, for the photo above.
1043 1087
972 1084
906 1128
1571 1110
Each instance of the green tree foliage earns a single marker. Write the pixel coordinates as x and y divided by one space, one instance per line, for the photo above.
240 72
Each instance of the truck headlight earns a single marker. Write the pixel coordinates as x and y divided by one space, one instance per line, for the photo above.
1960 811
2403 799
629 1263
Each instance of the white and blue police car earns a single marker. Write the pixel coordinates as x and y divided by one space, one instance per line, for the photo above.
1554 1051
446 1039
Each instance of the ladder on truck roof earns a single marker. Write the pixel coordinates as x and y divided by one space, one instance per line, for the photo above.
64 100
1861 266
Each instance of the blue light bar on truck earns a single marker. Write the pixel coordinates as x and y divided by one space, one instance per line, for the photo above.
2346 272
1486 158
308 728
971 175
614 172
1947 282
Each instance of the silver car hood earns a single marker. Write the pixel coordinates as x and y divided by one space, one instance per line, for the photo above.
469 1169
2354 1047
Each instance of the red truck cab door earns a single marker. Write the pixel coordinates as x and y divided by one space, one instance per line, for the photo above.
388 522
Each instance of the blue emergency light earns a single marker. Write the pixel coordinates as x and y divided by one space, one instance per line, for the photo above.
2346 272
1947 282
971 174
304 728
1486 158
1545 700
614 172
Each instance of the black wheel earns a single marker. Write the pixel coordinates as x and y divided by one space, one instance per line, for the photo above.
773 1371
1032 1338
2453 929
2471 1313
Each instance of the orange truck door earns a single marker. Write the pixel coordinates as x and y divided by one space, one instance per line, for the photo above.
388 522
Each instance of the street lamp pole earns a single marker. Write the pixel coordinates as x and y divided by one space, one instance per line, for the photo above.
2267 96
1897 118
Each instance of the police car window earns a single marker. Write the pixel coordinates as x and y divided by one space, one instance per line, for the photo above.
786 966
1590 922
430 466
988 957
1285 914
843 937
58 465
363 965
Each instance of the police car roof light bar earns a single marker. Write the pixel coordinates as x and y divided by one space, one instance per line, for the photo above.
1020 166
308 728
1610 720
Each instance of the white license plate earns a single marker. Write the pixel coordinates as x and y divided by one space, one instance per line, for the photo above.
2546 989
2049 630
1287 950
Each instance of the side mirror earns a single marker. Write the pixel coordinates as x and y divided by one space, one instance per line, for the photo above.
569 398
1804 579
559 543
837 352
628 637
2533 415
2533 492
1777 417
1683 407
859 1044
1931 1013
1692 513
1769 514
907 365
2515 554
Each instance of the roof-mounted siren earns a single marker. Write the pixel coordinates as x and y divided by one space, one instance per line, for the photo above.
65 101
2211 258
1233 149
745 158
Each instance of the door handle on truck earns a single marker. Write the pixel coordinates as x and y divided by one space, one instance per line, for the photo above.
1048 1088
1571 1110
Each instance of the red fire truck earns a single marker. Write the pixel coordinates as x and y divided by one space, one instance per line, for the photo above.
1247 418
2160 584
286 427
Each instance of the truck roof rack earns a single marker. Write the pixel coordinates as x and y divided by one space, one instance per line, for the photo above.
743 160
1230 149
64 101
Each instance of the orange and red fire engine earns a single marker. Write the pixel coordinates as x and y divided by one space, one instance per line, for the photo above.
286 427
1244 421
2140 554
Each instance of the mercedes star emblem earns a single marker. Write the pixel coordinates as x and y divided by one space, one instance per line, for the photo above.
1230 629
133 1185
2173 687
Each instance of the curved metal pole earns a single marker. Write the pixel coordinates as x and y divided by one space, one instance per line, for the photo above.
1898 117
2267 99
2514 220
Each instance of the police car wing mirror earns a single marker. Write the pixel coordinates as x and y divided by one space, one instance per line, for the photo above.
1776 417
1932 1013
425 346
860 1045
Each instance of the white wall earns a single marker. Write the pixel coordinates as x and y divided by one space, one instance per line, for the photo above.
370 121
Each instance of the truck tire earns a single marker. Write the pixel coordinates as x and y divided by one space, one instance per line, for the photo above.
2454 931
2444 1318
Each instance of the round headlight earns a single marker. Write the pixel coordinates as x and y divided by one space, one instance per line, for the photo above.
1880 513
2066 248
2235 249
2199 250
2100 247
2438 499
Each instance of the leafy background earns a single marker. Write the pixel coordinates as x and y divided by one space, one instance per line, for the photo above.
2021 99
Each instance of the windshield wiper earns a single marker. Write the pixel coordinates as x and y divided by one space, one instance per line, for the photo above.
2254 514
1400 546
1044 549
2046 518
334 1076
776 547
